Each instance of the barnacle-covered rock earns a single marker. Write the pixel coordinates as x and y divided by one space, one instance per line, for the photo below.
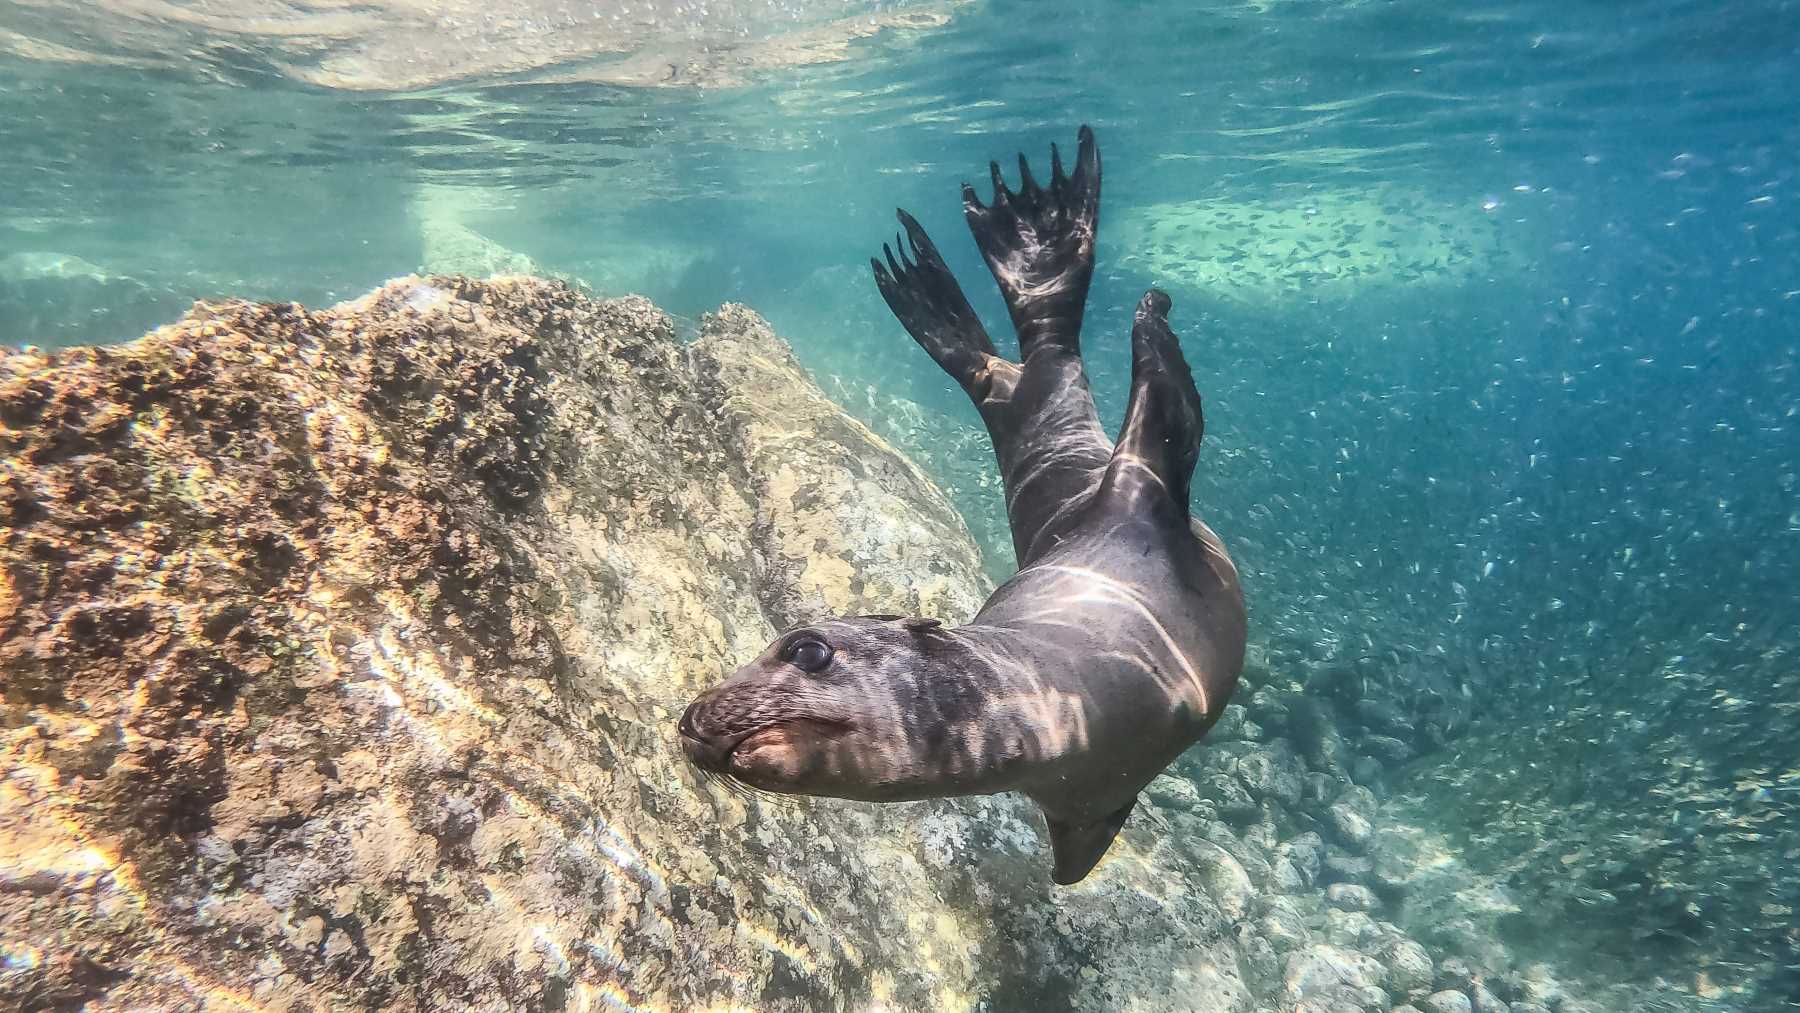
340 655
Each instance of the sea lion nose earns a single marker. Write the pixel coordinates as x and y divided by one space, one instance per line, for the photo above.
686 726
703 752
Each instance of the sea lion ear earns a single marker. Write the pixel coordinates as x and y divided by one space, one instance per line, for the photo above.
920 624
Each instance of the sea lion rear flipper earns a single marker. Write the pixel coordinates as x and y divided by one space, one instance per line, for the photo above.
1039 244
1160 441
931 306
1078 847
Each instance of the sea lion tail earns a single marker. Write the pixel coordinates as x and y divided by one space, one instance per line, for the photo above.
1160 441
1039 243
931 306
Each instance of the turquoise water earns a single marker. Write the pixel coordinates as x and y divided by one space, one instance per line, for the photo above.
1496 310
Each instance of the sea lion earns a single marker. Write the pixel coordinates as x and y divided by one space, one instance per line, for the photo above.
1120 639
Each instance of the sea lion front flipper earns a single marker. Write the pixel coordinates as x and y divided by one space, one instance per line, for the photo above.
1078 847
931 306
1160 441
1039 243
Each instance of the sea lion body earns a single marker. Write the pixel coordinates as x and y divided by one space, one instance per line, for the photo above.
1120 639
1139 629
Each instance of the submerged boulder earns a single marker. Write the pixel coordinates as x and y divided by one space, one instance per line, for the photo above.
340 657
341 651
50 298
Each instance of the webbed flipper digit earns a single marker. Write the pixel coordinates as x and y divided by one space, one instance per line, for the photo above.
1160 441
1039 243
931 306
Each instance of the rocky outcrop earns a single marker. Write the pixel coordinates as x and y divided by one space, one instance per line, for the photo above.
446 246
60 299
342 650
340 654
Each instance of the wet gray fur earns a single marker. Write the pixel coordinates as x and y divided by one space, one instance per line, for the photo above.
1118 642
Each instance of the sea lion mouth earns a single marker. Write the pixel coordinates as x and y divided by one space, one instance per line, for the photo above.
786 757
748 753
713 755
777 737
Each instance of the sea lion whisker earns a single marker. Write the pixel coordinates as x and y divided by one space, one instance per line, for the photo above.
753 793
731 785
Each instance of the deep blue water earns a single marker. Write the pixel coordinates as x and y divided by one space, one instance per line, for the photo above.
1545 450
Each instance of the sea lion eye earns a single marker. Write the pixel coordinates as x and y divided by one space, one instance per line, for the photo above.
808 654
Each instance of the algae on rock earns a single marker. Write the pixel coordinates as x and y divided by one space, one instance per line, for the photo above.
342 651
340 656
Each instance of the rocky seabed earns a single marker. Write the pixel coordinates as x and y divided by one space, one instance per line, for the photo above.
340 657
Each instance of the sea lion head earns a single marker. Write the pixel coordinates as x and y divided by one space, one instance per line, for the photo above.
858 707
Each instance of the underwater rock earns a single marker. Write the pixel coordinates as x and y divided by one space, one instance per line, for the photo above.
1172 792
1455 973
1350 817
1354 929
1225 880
344 648
1258 959
1233 726
955 450
1447 1001
1233 802
1483 1000
1285 878
1384 718
1409 966
1270 708
1323 744
1539 986
1388 861
1281 922
1340 868
1351 897
56 299
1386 748
1322 967
1320 787
1272 773
1340 999
1367 770
858 528
447 246
1391 872
1244 849
42 265
1307 853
